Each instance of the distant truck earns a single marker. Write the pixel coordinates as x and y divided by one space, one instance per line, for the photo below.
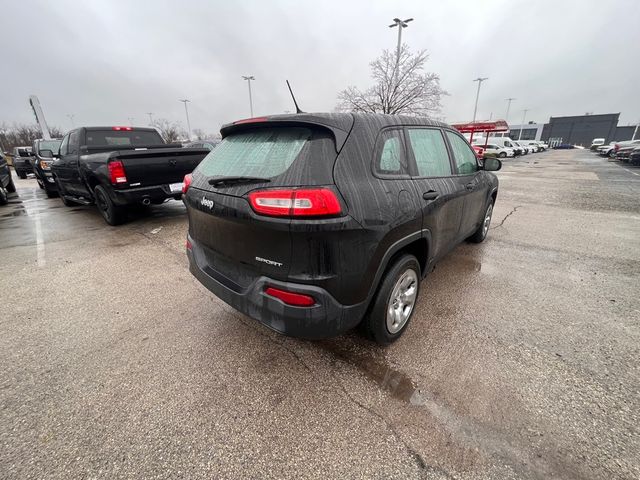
597 142
22 161
117 167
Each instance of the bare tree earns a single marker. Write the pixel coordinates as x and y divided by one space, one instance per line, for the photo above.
400 87
19 135
171 131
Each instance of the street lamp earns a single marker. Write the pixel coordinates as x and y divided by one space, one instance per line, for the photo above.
71 115
400 24
248 78
150 117
475 109
506 115
524 115
186 111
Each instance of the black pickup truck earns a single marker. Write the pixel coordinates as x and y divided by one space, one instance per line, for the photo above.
116 167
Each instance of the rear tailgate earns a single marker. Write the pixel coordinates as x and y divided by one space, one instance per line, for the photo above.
232 242
151 167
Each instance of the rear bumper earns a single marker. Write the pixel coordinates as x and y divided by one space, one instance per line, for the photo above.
132 196
23 166
327 318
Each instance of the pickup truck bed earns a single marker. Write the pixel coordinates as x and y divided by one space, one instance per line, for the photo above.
144 171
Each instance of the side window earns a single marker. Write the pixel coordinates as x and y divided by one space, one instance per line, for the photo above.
430 152
390 157
73 142
64 145
464 156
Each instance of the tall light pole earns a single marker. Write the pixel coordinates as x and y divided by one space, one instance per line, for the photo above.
400 24
248 78
186 111
524 115
635 130
475 109
506 115
150 117
71 115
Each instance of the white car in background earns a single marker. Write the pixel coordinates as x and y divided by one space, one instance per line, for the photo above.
498 150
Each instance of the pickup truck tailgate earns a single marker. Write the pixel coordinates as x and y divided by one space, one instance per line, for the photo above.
159 166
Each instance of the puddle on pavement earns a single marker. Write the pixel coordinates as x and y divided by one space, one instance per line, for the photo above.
375 367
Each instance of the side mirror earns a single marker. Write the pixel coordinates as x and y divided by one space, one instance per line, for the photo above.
46 153
492 164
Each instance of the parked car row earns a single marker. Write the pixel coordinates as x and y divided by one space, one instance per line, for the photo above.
626 151
504 147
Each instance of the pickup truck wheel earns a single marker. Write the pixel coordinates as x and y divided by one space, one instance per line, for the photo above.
502 154
11 188
51 193
111 213
395 301
481 233
21 174
4 197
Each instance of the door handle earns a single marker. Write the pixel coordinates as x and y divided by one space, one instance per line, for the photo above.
430 195
470 186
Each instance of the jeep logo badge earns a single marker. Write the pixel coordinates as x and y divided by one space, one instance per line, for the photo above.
205 202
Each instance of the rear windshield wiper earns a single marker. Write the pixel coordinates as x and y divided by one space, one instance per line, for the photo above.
227 181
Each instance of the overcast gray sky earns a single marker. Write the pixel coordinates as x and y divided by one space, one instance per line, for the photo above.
105 61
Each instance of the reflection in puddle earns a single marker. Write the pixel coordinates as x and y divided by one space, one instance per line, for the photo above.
376 368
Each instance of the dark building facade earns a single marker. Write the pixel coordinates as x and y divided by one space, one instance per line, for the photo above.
625 133
582 129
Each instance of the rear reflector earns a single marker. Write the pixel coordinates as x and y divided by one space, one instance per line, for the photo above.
307 202
116 172
251 120
186 183
290 298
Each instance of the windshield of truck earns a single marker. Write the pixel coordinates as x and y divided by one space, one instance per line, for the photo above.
119 138
53 145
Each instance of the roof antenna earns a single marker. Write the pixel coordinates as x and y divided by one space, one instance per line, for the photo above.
294 99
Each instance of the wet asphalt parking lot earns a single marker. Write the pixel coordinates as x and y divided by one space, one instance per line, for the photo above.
521 361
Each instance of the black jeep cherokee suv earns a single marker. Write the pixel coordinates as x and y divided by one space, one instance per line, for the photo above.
314 223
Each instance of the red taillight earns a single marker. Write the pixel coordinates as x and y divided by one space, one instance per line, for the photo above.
186 183
188 245
310 202
616 147
251 120
116 172
291 298
118 129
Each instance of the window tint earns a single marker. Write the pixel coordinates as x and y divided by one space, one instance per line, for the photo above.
430 152
123 137
64 145
390 158
264 152
463 155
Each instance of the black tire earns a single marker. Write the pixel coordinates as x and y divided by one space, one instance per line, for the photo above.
51 193
111 213
4 196
483 230
502 154
375 324
11 188
21 174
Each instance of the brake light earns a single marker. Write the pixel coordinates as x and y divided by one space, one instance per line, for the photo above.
186 183
251 120
616 148
117 173
291 298
308 202
188 245
127 129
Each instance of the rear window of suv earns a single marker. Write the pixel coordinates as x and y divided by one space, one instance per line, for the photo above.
261 152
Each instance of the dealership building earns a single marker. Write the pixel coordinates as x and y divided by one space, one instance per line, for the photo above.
576 130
